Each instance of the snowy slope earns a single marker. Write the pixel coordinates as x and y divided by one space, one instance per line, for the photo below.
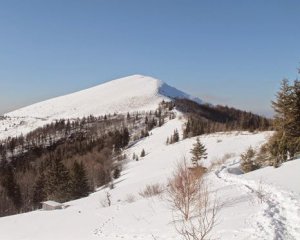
242 216
128 94
279 177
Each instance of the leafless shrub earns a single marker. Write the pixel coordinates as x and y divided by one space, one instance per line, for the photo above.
197 172
152 190
228 156
261 193
130 198
194 209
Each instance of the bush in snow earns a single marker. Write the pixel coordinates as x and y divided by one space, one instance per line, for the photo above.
152 190
248 162
130 198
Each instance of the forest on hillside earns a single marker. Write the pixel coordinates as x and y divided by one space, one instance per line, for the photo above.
206 118
70 158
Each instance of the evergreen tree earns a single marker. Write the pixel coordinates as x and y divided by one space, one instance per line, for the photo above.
175 136
117 173
125 137
187 129
282 107
248 160
295 110
161 121
143 153
12 187
58 185
39 191
286 142
198 152
80 186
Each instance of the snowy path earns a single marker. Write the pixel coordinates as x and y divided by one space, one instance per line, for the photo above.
279 217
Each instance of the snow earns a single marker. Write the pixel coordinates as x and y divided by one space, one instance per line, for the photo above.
53 203
128 94
15 126
242 215
264 204
279 215
286 177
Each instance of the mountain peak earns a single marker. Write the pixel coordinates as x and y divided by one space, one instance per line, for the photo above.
128 94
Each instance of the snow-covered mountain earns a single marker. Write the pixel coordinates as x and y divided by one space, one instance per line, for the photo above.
128 94
264 204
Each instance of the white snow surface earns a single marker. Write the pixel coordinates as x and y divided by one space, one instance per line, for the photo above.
128 94
243 216
285 177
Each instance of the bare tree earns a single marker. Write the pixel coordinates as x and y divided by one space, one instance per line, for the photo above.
106 202
194 209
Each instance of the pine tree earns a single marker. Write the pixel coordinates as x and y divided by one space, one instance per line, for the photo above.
175 136
125 137
282 107
161 121
187 129
295 110
58 186
198 152
248 160
12 187
80 186
286 142
39 191
117 173
143 153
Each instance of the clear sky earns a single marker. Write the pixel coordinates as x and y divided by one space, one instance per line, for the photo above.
227 52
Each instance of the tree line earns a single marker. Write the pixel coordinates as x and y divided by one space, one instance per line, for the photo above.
205 118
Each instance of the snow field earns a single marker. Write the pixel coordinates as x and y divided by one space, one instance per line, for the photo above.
132 217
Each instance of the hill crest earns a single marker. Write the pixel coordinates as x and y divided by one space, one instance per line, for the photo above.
127 94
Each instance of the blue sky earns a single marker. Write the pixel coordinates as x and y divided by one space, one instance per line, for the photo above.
227 52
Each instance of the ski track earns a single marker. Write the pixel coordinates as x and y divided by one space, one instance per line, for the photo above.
280 215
